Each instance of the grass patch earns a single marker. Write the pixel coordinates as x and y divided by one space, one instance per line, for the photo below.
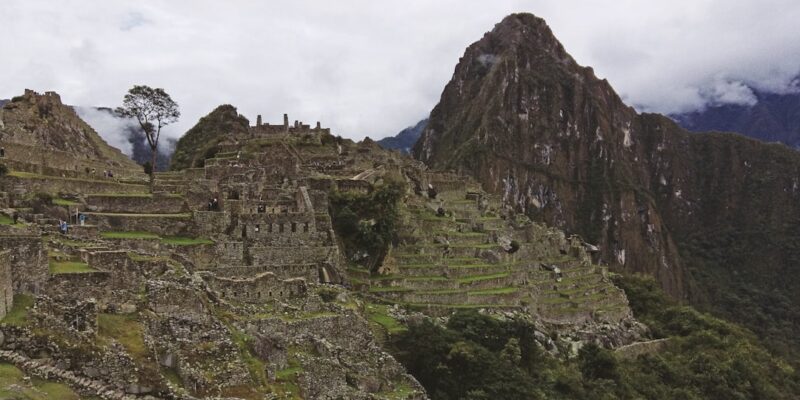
288 373
125 329
185 241
64 202
18 316
6 220
489 292
479 278
38 390
254 365
129 235
401 392
378 314
69 267
388 289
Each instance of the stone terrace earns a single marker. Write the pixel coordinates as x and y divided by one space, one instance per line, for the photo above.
465 259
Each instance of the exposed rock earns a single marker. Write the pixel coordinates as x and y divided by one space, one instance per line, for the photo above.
558 143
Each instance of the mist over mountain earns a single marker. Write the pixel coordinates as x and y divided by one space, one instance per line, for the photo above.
125 134
405 139
771 117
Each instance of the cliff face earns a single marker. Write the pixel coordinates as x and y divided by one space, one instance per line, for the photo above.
706 214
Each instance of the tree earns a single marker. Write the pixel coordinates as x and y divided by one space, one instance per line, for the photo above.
153 109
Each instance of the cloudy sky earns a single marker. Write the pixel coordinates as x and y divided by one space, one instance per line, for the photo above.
370 68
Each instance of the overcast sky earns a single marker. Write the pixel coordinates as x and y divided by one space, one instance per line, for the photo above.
370 68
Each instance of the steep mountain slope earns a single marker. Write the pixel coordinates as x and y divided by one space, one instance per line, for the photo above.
34 121
713 217
774 118
404 140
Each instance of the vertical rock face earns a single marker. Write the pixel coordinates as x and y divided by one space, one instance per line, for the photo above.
712 216
523 117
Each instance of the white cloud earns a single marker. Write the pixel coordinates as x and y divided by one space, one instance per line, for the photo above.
372 67
111 129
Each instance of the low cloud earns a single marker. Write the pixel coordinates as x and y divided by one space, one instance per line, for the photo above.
112 129
371 68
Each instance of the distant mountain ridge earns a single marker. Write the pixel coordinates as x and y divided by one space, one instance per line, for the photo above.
404 140
773 118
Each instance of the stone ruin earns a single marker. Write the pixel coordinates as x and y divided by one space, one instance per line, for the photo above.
231 281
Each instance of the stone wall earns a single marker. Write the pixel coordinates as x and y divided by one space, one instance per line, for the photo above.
28 259
171 298
6 287
155 204
36 159
80 317
165 225
19 187
269 255
263 287
211 222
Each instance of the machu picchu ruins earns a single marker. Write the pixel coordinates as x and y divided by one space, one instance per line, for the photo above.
230 279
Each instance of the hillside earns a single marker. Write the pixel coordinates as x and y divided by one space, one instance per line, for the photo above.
405 139
712 216
773 118
200 142
41 130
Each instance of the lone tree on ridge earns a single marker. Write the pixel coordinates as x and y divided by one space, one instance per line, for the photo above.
153 109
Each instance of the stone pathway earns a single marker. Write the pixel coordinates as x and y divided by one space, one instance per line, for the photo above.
34 367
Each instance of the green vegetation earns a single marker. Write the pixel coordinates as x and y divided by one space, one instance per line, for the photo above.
64 202
31 175
366 223
125 329
6 220
378 315
201 141
172 240
18 315
69 267
478 357
184 241
129 235
13 386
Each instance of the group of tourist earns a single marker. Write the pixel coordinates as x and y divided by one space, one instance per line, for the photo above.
213 204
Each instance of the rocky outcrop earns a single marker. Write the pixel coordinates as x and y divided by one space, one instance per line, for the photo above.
559 144
200 142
